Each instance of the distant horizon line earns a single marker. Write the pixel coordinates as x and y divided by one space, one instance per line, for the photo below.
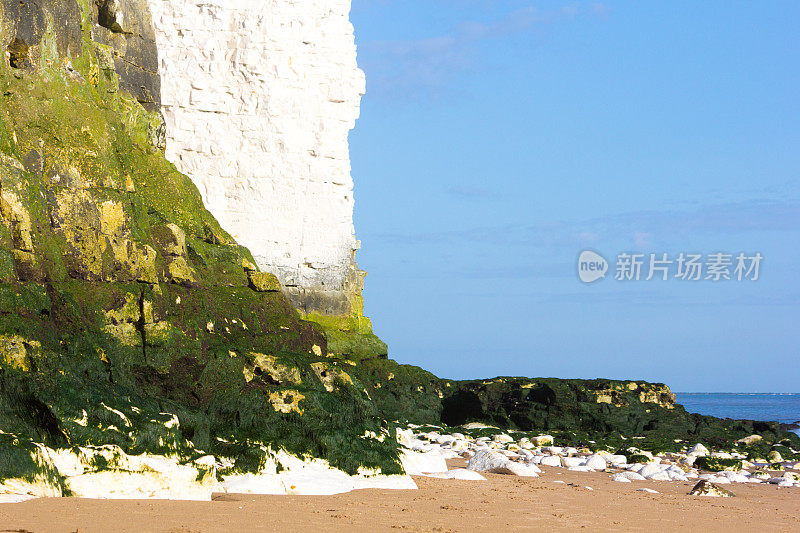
748 393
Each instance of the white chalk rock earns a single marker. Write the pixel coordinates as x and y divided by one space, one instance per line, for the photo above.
650 469
450 454
417 463
459 473
405 438
522 470
620 478
445 439
526 444
651 491
262 483
534 467
698 449
722 455
527 454
316 477
488 461
551 460
631 476
569 462
596 462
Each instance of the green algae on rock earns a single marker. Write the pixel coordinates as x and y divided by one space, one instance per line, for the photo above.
126 315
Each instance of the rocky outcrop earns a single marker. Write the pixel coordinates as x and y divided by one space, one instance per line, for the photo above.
259 99
126 27
601 410
38 34
706 488
128 316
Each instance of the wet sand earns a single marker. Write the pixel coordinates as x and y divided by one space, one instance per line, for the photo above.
501 503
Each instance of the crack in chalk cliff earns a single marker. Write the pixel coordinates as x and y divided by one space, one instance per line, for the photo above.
140 325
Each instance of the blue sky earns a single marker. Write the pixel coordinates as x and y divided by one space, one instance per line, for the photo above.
498 140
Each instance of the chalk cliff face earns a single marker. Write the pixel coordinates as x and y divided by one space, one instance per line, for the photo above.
259 97
129 318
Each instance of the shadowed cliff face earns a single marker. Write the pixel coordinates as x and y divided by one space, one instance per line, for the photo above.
124 26
121 293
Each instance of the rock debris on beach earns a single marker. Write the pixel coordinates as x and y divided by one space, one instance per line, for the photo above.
706 488
427 451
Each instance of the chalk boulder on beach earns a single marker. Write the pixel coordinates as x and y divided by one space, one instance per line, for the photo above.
706 488
459 473
502 438
418 463
698 449
490 461
522 470
596 462
630 476
551 460
570 462
405 438
774 457
749 441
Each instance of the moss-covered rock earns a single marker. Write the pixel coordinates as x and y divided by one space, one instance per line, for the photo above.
127 317
717 464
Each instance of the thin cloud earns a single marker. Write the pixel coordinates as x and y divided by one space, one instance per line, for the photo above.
472 193
639 227
422 67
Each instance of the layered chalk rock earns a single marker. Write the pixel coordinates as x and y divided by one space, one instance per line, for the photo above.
259 98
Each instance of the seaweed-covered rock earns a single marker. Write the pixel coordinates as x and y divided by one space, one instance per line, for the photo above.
127 318
717 464
706 488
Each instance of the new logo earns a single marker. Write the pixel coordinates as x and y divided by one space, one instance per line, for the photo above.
591 266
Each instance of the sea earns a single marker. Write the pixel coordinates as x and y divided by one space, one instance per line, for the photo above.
768 407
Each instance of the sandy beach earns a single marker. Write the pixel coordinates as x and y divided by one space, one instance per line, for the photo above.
502 502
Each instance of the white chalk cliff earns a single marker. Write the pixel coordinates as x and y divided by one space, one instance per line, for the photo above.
259 97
